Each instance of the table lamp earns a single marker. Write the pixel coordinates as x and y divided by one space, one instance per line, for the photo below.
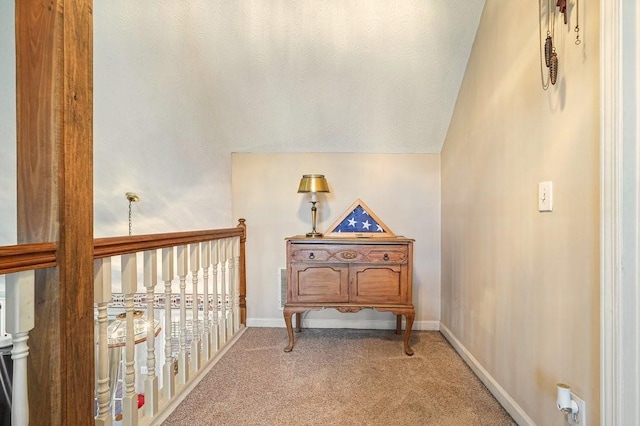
313 184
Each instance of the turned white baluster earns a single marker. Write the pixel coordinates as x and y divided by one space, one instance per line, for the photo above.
20 320
222 254
215 332
183 360
129 288
236 285
231 287
194 256
168 376
205 257
150 266
102 296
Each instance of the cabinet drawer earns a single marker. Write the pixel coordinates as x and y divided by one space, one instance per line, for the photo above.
325 253
310 254
394 254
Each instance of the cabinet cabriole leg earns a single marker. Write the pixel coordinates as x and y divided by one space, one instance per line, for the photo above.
287 321
407 333
398 324
298 322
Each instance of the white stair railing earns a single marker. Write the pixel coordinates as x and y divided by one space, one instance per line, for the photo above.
194 260
189 342
5 357
151 381
215 296
192 337
20 319
102 296
168 377
129 288
205 258
183 357
222 301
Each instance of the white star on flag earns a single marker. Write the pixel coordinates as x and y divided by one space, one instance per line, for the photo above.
366 225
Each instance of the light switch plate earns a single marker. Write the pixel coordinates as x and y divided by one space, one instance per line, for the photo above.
545 196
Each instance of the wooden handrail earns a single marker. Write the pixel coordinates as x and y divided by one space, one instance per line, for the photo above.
25 257
113 246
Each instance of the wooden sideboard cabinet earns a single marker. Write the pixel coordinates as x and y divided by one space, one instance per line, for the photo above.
350 274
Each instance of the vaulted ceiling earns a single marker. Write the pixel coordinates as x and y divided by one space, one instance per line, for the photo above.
285 76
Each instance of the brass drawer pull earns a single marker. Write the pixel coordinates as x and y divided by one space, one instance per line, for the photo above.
312 256
385 257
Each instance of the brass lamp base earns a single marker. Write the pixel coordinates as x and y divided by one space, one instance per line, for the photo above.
313 233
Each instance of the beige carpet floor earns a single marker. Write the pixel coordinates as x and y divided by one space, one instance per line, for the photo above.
340 377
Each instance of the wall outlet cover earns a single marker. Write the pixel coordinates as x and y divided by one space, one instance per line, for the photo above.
581 418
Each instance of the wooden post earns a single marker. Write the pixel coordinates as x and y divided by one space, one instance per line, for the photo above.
243 272
236 283
54 100
231 285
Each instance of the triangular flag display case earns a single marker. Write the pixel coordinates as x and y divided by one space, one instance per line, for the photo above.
358 221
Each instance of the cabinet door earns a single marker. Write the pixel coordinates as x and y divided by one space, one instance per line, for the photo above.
378 284
318 283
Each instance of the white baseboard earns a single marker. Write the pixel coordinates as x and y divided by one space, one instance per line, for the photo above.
509 404
344 323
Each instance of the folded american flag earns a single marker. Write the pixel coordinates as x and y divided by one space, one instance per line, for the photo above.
358 221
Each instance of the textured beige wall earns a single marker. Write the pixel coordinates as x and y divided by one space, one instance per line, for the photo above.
180 85
520 288
402 189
